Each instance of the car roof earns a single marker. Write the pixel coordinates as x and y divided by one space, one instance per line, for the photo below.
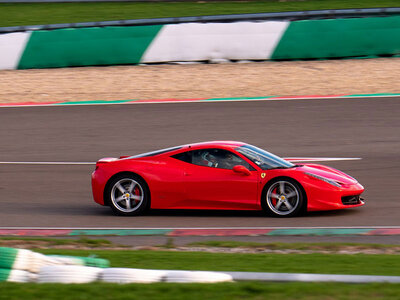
188 147
228 144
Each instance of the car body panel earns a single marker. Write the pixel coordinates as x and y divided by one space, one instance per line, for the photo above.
215 188
176 184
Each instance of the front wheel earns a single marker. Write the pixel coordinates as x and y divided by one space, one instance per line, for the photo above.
127 195
283 198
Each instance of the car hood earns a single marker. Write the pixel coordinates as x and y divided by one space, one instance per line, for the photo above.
327 172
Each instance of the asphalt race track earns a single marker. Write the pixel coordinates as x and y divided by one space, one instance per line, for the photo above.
60 195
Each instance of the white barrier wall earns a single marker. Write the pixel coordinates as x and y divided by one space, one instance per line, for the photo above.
12 45
204 42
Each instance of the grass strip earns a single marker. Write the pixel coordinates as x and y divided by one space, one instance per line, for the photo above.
363 264
228 291
16 14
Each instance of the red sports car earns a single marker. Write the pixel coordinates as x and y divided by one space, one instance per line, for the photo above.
220 175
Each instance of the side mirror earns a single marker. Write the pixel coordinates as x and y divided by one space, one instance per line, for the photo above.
241 170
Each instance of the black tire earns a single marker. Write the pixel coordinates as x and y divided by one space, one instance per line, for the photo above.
127 186
283 204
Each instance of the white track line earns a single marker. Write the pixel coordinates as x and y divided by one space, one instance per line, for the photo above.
45 163
292 159
307 159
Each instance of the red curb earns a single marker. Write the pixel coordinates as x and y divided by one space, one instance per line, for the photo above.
35 232
384 231
199 232
219 232
31 103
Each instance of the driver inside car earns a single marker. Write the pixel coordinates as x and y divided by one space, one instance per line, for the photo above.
229 161
209 159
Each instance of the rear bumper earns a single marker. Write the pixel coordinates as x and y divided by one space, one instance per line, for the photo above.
98 184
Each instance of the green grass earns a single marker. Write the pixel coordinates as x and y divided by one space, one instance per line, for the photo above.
293 263
51 13
292 246
263 262
224 291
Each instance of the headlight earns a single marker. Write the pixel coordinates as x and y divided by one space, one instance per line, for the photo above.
327 180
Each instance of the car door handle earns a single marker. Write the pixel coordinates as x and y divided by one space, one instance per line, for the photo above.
187 173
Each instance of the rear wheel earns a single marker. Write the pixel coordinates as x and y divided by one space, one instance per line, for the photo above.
127 195
283 198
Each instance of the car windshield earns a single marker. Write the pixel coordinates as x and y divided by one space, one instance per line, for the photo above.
263 159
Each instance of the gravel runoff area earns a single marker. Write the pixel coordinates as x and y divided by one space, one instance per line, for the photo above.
184 81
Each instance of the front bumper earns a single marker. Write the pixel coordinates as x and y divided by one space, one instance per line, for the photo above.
335 198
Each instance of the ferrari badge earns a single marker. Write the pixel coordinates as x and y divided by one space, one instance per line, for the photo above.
262 175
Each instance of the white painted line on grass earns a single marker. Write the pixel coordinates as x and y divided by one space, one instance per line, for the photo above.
303 277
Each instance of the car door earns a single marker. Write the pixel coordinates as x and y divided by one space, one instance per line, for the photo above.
210 182
166 178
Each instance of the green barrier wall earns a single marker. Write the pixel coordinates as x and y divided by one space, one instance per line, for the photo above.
340 38
310 39
87 46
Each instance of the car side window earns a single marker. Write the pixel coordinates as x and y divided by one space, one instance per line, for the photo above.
214 158
184 156
218 158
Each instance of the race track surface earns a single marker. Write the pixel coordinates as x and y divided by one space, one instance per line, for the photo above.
60 195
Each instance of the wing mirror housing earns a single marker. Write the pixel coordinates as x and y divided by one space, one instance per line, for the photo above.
241 170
